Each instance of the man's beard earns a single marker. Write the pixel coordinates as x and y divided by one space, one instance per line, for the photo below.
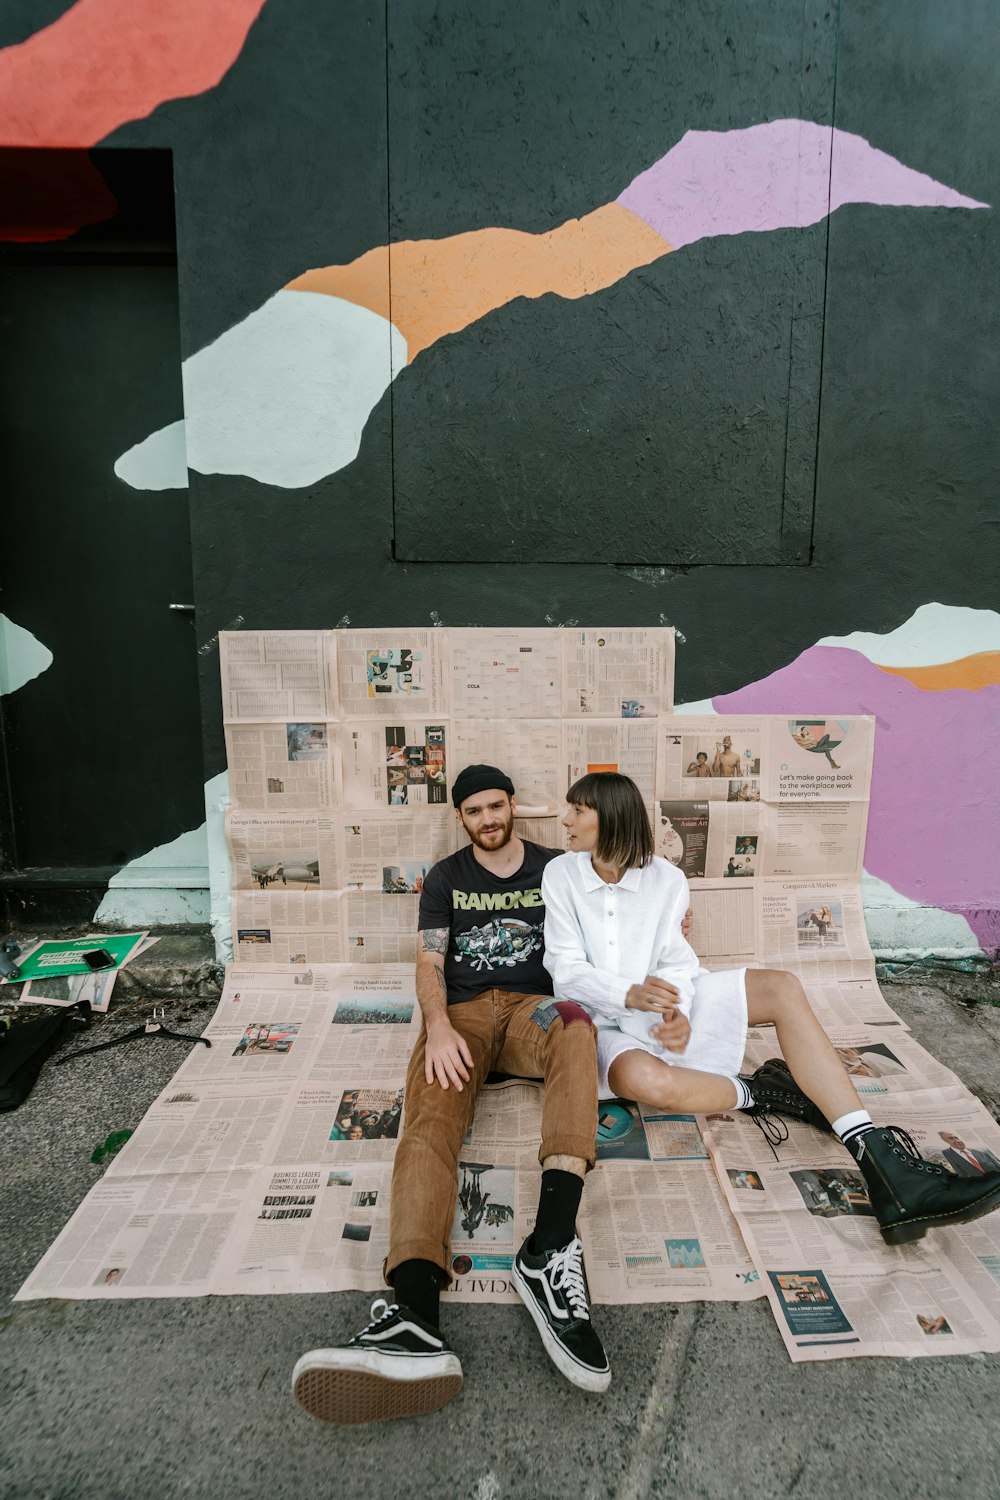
492 843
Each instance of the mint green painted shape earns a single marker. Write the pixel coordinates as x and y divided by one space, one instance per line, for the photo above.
22 656
159 462
168 887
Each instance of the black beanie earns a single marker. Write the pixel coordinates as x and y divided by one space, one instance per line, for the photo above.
479 779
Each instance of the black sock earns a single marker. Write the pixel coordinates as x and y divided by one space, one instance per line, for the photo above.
558 1205
417 1285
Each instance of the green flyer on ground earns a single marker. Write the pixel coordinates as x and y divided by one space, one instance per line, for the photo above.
65 956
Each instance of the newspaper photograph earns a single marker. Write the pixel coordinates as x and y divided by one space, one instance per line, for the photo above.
711 758
270 675
282 852
290 767
391 673
625 745
505 673
610 674
395 765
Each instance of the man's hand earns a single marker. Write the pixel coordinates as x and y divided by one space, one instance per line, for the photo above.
652 994
687 921
446 1056
673 1032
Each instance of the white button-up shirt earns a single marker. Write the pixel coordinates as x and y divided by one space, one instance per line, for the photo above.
601 939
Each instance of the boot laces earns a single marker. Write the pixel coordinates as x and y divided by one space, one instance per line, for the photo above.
773 1129
909 1146
565 1273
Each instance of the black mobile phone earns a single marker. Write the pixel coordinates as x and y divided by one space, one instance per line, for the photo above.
99 958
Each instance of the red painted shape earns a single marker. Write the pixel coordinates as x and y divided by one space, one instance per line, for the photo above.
570 1012
105 62
49 195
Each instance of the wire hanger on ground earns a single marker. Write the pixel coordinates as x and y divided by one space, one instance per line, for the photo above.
153 1027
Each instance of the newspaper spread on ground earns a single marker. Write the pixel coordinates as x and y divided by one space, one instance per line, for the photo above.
837 1290
266 1164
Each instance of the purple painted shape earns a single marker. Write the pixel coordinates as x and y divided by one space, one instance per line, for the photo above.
772 176
934 827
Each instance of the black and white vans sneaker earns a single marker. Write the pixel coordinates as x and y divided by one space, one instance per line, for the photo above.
399 1366
553 1288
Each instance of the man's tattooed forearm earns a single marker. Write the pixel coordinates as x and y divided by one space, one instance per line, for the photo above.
436 939
442 986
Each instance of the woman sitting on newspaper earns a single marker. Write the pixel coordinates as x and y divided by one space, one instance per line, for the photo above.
672 1035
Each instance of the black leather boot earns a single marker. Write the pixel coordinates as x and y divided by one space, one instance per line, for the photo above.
775 1092
910 1195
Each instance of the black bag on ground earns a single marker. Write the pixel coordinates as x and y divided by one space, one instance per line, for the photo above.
25 1048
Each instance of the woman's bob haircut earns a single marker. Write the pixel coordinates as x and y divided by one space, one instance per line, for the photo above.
624 837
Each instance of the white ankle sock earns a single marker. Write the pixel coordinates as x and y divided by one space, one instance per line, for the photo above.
744 1098
851 1127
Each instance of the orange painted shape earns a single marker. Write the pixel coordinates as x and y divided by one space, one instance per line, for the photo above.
441 286
365 281
972 672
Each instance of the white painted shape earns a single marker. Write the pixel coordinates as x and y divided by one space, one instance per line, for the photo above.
220 877
130 907
933 635
899 927
159 462
182 862
22 656
703 706
284 395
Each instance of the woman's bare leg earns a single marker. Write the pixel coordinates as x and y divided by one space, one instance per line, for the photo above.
777 998
684 1091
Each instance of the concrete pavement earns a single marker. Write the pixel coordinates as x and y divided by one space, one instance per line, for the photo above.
190 1398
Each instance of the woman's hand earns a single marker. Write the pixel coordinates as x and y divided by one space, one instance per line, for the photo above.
652 994
673 1032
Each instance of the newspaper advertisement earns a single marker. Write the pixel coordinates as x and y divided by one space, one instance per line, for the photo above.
283 767
610 674
506 673
709 840
395 765
391 673
271 675
625 745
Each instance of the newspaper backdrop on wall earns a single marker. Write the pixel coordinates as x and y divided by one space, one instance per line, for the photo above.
266 1164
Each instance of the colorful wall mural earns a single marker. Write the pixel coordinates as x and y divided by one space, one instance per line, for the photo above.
681 293
341 333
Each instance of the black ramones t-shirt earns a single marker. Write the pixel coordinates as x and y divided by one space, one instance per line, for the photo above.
495 924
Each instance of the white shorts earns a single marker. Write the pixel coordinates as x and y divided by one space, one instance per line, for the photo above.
718 1032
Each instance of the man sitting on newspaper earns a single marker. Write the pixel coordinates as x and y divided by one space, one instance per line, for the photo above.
481 918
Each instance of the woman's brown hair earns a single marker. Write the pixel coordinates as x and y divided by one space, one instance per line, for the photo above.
624 835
